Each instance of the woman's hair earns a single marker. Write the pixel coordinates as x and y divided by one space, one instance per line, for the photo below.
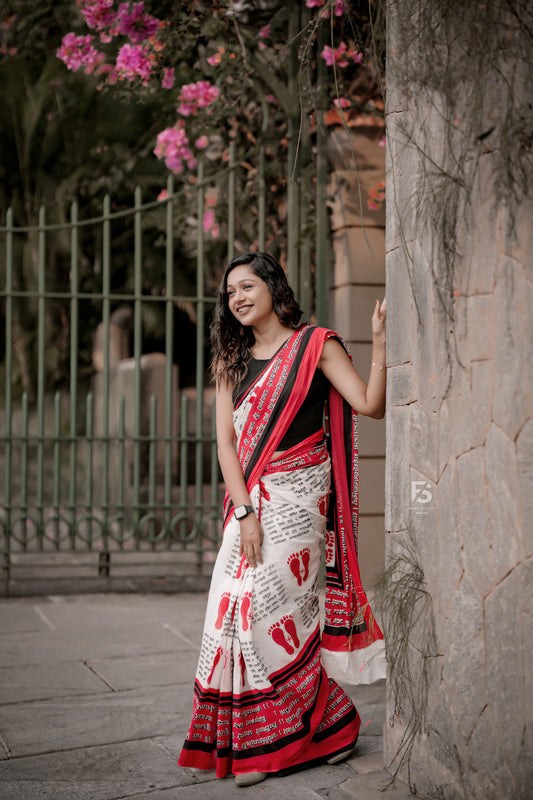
230 340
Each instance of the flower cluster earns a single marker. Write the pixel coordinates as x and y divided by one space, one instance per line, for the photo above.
78 51
135 59
173 147
196 95
341 55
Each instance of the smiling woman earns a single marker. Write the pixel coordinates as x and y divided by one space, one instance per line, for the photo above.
265 695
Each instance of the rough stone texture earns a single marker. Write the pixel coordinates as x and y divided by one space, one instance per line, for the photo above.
460 354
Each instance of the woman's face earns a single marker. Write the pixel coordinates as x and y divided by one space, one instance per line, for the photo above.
249 298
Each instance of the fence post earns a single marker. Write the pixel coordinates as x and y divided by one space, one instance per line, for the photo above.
200 323
321 188
74 325
293 161
8 398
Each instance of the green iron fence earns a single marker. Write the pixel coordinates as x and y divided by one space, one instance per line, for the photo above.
112 480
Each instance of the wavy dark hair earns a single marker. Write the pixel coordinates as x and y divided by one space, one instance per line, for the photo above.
231 341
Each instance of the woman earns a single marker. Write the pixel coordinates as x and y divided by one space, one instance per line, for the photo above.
265 699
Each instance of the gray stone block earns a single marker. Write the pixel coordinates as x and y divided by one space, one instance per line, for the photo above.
482 382
475 524
512 335
400 389
524 454
397 488
400 309
424 441
506 660
500 463
464 656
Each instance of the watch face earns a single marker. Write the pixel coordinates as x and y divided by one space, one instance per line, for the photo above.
240 512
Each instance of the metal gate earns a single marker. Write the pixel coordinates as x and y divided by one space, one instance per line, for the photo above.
112 481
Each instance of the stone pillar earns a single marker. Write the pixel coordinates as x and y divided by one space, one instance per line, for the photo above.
459 483
358 280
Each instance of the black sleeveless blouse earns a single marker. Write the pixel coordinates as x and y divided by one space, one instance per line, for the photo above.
309 417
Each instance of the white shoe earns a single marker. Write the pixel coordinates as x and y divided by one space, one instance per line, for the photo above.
250 778
335 759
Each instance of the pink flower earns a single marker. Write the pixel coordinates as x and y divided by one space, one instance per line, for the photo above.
340 55
133 62
383 141
173 147
314 3
264 32
340 8
137 25
201 142
341 102
77 51
168 78
98 14
196 95
214 60
209 220
163 194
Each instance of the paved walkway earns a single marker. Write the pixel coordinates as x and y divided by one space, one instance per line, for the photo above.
96 697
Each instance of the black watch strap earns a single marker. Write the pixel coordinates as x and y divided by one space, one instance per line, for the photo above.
242 511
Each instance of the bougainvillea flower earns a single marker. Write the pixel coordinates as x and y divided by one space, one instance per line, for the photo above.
341 102
135 24
132 62
168 78
173 147
201 142
98 14
77 51
214 60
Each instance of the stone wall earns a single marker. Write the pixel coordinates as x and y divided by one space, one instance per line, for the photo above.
459 477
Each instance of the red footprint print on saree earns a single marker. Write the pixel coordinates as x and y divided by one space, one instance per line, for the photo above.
280 637
299 565
294 564
222 608
246 615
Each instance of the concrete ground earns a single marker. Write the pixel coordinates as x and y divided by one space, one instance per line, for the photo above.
96 698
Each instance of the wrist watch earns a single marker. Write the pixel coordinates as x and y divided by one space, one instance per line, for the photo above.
242 511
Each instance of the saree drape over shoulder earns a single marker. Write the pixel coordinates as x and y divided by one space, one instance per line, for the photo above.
265 696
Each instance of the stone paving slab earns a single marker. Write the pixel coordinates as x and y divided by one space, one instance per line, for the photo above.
155 669
46 681
19 618
53 725
96 773
371 786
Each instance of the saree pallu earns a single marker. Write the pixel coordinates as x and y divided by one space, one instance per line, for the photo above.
262 698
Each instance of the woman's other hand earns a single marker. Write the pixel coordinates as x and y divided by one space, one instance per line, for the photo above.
251 540
379 319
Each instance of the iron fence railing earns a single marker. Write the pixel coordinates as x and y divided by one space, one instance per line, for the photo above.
113 470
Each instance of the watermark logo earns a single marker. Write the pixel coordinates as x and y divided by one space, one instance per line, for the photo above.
421 497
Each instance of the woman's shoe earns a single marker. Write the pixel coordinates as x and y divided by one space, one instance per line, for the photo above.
250 778
335 759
